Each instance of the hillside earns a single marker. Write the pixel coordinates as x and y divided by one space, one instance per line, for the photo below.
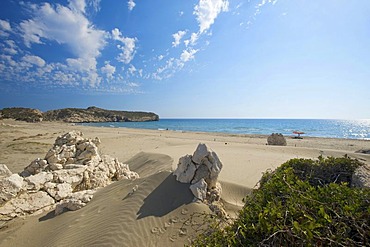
77 115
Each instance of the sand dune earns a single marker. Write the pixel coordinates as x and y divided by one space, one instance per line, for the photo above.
154 210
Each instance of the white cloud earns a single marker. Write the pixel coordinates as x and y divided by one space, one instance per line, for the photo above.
77 5
12 47
108 70
187 55
193 39
95 4
4 28
160 57
177 36
132 69
131 5
35 60
133 84
207 11
11 51
5 25
128 48
69 26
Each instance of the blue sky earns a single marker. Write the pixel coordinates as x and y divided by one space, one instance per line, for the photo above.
194 58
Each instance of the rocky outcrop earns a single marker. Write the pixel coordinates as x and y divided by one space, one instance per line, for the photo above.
276 139
363 151
22 114
77 115
94 114
201 171
65 179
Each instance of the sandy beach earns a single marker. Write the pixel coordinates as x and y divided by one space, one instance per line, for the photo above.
161 211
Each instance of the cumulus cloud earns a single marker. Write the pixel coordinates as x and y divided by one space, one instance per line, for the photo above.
4 28
77 5
131 5
69 26
187 55
206 12
35 60
5 25
177 36
128 47
108 70
193 39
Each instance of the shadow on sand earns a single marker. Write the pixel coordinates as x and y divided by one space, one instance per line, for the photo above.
168 196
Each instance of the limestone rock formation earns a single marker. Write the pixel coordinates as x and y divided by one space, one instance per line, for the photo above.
201 171
276 139
363 151
67 177
76 115
22 114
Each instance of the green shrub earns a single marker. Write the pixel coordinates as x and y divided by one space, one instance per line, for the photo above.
302 203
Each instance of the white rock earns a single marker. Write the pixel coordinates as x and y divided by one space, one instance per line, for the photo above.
70 138
4 171
37 181
35 167
55 166
185 169
200 153
10 187
199 189
72 176
74 202
27 204
201 172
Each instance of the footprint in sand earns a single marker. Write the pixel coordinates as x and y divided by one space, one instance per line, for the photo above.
184 211
174 220
167 225
183 232
173 238
155 230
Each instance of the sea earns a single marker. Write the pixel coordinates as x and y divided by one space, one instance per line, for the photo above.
348 129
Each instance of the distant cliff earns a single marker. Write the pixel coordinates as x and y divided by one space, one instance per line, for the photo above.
77 115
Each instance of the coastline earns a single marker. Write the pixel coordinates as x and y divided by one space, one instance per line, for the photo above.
111 218
124 143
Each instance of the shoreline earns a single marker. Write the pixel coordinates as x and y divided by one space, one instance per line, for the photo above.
112 214
339 129
125 143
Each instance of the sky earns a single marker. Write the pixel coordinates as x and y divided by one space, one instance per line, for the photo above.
189 59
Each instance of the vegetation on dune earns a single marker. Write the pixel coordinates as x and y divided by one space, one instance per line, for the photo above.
302 203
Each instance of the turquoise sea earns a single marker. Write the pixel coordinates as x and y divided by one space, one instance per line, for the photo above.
351 129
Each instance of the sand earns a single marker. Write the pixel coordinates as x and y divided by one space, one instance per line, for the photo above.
154 210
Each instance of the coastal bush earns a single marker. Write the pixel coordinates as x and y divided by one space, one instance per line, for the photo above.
302 203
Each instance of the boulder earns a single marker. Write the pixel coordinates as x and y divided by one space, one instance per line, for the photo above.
185 169
26 203
363 151
37 181
4 171
199 189
201 171
35 167
74 202
276 139
10 187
